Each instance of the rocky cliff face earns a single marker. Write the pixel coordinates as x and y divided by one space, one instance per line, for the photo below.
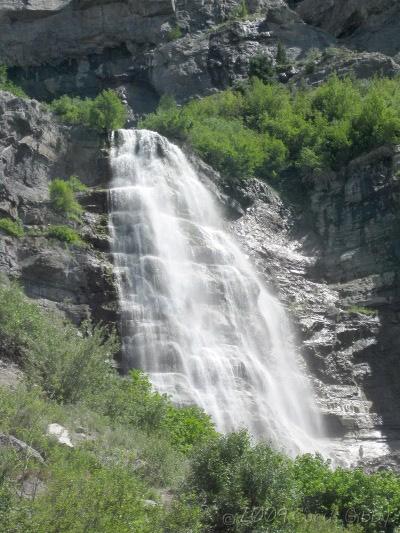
34 149
334 262
371 25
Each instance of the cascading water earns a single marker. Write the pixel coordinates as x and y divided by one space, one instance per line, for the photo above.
194 315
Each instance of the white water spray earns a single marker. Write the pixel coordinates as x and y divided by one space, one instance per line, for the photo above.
194 315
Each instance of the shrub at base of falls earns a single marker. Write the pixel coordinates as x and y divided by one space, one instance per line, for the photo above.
262 129
138 463
104 113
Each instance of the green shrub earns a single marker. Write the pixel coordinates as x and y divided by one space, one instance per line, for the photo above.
372 501
12 227
262 128
238 480
65 234
107 113
241 11
169 120
104 113
63 197
188 427
64 361
9 86
260 66
77 185
281 55
360 310
174 33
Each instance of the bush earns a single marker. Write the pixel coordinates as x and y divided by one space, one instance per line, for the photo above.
262 129
104 113
169 120
174 33
281 56
260 66
372 500
65 234
107 112
9 86
12 227
241 11
64 361
238 480
63 197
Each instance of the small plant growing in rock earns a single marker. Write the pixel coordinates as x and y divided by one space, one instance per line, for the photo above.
65 234
63 197
12 227
9 86
360 310
241 12
174 33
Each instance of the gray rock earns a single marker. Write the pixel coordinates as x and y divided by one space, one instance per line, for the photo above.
41 32
371 25
343 62
20 446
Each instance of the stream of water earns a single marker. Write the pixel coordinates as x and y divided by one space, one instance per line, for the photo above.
195 316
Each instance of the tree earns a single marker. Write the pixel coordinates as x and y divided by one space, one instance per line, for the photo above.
107 113
281 56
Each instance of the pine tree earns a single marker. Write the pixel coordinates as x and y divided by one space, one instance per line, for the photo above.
281 56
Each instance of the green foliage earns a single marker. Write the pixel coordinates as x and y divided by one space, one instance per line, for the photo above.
9 86
63 197
64 361
262 129
261 67
12 227
104 113
236 478
188 427
138 444
372 501
241 11
77 185
170 120
174 33
281 55
360 310
65 234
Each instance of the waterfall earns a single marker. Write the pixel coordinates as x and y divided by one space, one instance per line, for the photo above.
195 317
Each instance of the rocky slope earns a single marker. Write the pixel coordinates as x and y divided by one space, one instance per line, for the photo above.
327 260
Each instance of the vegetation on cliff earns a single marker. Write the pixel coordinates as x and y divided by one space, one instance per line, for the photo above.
263 129
8 85
138 463
104 113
